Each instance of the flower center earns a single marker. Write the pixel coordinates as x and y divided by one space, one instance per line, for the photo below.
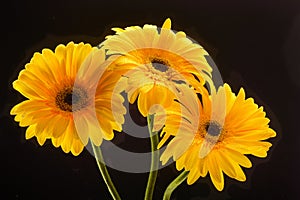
213 128
159 64
71 99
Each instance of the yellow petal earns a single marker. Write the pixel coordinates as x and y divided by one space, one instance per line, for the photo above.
143 104
67 142
167 24
41 138
203 169
40 128
180 163
231 167
81 128
57 125
192 157
193 176
58 141
25 90
238 157
30 132
215 172
77 147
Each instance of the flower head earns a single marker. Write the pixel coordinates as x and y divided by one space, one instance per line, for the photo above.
64 96
217 135
157 60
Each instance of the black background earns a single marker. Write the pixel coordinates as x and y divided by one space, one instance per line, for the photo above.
255 45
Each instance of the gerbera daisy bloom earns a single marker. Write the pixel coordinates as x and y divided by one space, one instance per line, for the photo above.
64 96
156 62
216 135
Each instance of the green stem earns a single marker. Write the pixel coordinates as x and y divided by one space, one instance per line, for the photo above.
174 184
154 159
104 172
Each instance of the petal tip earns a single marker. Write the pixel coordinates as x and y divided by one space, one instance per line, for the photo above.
167 24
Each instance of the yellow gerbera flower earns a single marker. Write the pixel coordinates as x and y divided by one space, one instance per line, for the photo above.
156 62
214 136
64 95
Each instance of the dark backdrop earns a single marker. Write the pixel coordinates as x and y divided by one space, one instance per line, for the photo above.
255 45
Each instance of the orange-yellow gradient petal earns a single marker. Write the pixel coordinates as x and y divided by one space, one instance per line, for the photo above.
157 60
64 83
242 132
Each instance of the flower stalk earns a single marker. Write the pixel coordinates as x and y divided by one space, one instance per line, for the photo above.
174 184
154 159
104 172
